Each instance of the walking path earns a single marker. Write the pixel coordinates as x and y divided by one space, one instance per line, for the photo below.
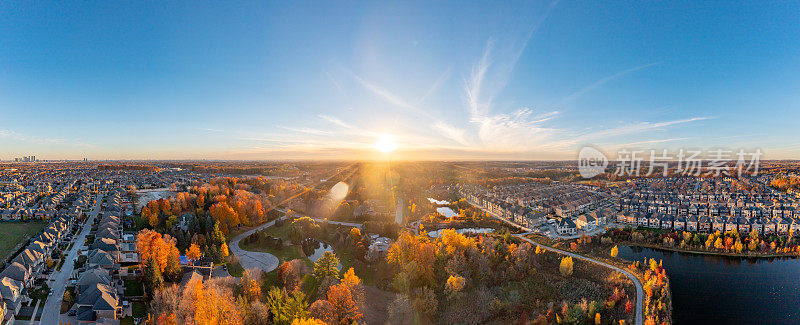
633 278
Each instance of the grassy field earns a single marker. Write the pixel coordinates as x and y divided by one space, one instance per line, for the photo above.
12 233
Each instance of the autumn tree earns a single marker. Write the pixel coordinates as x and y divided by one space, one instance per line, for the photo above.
355 235
345 309
307 321
322 310
161 249
193 253
566 266
287 276
250 286
614 251
455 284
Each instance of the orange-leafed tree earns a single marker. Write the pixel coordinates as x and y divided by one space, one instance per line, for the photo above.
152 246
250 286
345 309
193 253
287 276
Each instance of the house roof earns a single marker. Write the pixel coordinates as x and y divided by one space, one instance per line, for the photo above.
93 276
15 271
100 297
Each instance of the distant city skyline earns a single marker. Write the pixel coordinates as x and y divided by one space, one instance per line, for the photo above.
407 80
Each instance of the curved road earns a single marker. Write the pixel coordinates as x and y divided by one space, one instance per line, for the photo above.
260 260
633 278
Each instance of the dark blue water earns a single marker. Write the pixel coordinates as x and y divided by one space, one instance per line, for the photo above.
726 290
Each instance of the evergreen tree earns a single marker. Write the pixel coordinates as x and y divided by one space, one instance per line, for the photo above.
217 236
326 266
153 279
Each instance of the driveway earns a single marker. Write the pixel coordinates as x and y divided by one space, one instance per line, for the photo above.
634 279
58 280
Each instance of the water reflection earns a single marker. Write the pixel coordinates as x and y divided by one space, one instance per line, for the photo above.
728 290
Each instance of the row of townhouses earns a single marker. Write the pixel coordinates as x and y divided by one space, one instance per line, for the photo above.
18 276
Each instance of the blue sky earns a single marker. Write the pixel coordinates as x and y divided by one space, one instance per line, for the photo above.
444 80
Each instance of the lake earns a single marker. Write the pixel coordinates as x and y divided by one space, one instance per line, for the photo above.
727 290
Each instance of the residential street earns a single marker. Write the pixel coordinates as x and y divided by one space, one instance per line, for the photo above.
59 279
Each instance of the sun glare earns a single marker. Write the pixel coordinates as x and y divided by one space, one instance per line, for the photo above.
385 143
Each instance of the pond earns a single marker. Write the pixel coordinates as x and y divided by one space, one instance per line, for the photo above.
321 249
437 202
447 212
438 233
727 290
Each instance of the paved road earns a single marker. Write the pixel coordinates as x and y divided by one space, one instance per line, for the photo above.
634 279
58 280
260 260
266 261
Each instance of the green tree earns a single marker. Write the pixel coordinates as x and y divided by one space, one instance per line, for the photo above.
326 266
217 236
153 278
286 307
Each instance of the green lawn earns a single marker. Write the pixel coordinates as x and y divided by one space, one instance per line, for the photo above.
12 233
133 288
139 309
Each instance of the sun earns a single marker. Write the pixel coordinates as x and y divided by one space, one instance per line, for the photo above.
385 143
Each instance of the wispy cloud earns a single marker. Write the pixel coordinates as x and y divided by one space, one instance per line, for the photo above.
305 130
16 136
453 133
388 96
652 141
635 128
599 83
435 86
335 121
